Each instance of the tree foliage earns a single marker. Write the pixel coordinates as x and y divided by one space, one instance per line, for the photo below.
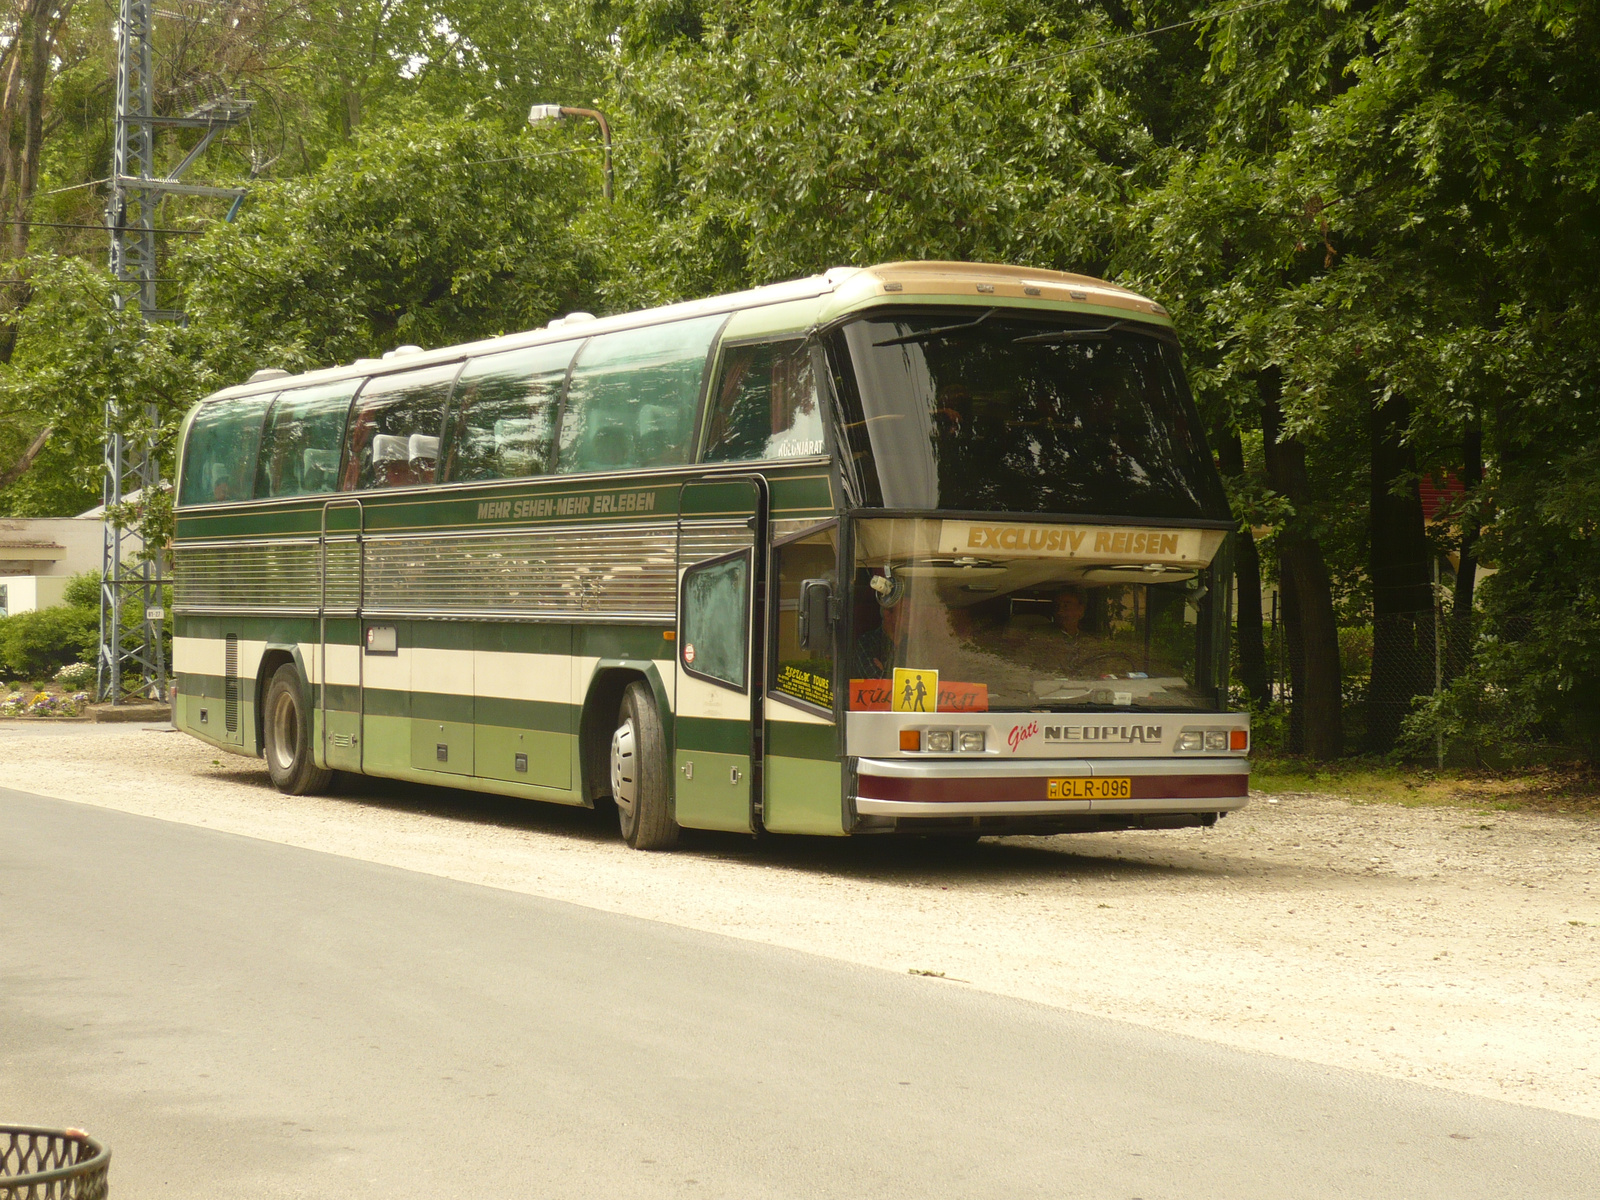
1374 222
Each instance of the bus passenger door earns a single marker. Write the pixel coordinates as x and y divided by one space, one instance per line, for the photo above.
339 635
718 660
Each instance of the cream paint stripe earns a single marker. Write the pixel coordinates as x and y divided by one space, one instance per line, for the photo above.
697 698
514 676
344 666
552 677
446 671
777 710
391 672
207 656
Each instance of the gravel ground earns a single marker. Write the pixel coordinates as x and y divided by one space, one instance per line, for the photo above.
1451 946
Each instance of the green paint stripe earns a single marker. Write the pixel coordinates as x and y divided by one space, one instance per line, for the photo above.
526 714
811 493
708 733
793 739
457 508
436 706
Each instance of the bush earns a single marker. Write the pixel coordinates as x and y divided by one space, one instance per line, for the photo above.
76 675
35 645
83 590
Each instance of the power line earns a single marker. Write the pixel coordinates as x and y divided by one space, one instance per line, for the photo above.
74 187
100 228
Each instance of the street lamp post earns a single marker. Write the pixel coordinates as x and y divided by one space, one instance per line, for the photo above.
554 112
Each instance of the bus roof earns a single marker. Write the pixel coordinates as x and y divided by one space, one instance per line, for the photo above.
815 300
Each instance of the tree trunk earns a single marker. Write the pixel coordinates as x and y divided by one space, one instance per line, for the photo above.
1460 643
24 86
1308 598
1398 567
24 464
1247 579
1294 649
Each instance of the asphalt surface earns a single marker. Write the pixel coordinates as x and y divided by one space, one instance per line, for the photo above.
245 1019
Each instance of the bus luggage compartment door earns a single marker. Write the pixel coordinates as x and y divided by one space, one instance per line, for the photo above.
717 655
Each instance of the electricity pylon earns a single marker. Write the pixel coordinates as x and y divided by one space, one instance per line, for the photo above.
132 660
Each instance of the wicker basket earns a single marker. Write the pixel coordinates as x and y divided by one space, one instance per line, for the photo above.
51 1164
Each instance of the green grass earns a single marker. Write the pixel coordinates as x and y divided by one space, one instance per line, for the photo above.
1556 787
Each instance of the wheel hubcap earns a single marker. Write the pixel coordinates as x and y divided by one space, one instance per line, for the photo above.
624 770
285 732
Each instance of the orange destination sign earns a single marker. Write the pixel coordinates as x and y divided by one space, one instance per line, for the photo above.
1091 543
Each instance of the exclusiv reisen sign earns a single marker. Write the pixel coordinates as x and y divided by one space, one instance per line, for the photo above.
1095 543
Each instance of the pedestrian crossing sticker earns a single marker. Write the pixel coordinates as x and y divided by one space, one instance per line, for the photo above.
914 691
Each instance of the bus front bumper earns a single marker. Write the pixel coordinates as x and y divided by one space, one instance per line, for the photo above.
903 788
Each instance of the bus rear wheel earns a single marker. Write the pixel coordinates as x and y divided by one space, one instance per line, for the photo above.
286 726
639 773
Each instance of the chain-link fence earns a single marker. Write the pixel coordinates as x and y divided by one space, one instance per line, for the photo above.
52 1164
1387 665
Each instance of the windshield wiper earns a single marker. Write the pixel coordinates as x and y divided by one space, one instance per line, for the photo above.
924 334
1100 334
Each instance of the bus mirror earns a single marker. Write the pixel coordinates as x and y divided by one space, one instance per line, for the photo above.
816 616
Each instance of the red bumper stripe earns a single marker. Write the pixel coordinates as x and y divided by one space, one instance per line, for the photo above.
1006 790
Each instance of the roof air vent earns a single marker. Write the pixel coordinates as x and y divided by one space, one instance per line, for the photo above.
401 352
267 373
577 318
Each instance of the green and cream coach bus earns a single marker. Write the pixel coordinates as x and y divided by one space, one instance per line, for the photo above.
931 548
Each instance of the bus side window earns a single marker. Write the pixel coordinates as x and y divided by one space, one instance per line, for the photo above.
219 458
765 405
633 397
300 449
394 429
504 414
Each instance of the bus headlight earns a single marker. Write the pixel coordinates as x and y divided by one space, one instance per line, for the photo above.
1191 739
1216 739
972 741
940 741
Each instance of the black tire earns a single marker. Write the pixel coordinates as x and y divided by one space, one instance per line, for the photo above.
639 773
286 736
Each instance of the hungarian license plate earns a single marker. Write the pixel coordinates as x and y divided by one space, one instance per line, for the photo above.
1107 788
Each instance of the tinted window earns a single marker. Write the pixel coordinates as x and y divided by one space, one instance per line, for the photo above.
300 449
804 674
765 405
633 396
1024 412
394 429
219 459
505 414
715 627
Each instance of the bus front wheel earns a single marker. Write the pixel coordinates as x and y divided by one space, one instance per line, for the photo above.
286 725
639 773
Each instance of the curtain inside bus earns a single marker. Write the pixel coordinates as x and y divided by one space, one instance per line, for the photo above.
300 449
765 404
504 421
394 429
1017 411
219 458
633 396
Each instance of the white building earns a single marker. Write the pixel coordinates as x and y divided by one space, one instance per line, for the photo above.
38 555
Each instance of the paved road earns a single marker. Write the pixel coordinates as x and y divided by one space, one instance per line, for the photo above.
243 1019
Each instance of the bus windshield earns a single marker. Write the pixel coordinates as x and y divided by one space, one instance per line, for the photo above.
1007 410
1127 631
